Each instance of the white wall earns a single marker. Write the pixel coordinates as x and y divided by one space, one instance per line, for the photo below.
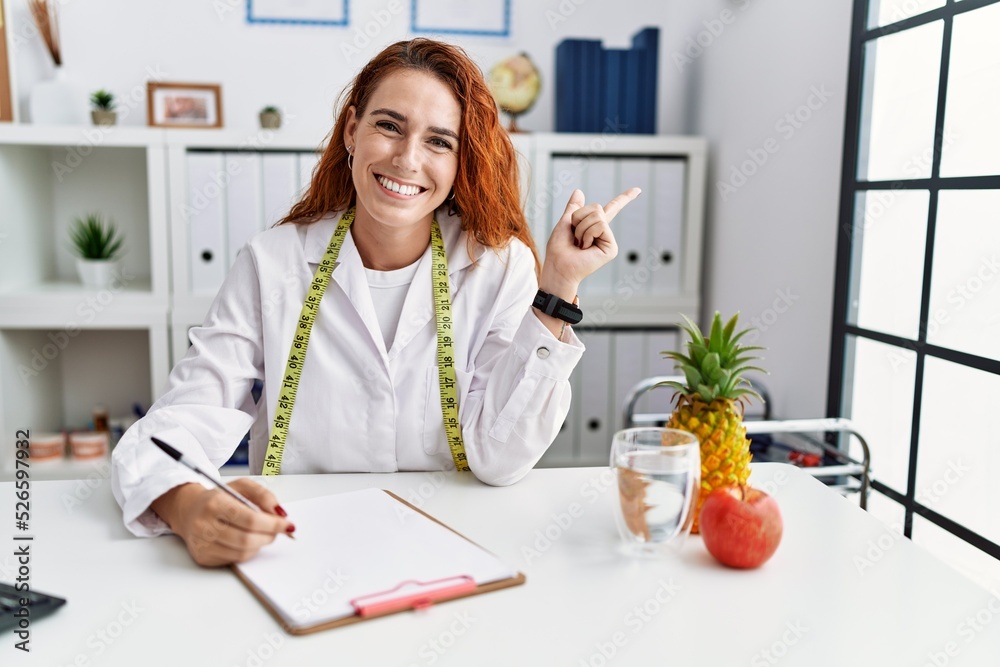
771 243
775 235
113 43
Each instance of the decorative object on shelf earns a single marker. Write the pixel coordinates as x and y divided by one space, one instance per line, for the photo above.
99 246
599 89
270 118
55 101
46 446
515 83
6 98
103 112
710 403
302 12
89 445
184 104
485 18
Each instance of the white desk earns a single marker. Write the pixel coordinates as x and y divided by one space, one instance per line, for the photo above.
813 604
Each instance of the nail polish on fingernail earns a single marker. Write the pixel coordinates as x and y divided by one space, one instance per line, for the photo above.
290 529
280 511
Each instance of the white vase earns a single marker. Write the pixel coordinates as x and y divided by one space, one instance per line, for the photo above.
56 102
97 273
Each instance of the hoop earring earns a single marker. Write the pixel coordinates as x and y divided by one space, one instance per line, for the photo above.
452 197
350 158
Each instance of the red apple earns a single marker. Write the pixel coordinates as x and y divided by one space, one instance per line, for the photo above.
741 526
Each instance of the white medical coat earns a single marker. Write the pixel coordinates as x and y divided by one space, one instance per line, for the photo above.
360 407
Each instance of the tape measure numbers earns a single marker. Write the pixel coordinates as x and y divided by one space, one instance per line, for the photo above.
300 345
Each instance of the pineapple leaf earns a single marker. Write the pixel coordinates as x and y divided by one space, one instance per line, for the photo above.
744 369
715 335
711 364
693 331
727 333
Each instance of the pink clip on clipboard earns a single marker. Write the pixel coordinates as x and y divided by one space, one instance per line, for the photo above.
417 595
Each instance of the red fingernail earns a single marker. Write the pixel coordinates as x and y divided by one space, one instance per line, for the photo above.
290 529
280 511
576 242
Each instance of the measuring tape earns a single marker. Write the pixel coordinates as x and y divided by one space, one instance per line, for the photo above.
300 344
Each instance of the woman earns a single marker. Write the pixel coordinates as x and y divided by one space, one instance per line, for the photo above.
395 335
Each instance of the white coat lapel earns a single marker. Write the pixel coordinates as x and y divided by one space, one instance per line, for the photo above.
348 273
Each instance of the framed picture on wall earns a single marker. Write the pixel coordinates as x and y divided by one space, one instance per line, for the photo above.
489 18
6 98
302 12
184 104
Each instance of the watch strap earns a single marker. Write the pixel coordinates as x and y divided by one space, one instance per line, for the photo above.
558 308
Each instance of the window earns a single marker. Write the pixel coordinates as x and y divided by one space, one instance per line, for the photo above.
916 342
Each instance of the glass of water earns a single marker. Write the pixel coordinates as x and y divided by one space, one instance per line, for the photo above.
659 473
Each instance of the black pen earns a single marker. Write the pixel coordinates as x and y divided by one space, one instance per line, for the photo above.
177 456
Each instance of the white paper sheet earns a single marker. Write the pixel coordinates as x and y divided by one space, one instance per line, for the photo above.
355 544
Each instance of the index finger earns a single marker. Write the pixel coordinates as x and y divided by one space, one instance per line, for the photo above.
612 208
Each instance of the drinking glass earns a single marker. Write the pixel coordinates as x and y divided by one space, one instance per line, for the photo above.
659 473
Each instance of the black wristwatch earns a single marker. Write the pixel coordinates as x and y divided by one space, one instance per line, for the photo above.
557 308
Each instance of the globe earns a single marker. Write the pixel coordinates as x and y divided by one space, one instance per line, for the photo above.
515 85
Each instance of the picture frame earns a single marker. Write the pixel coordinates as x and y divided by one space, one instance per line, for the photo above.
301 12
6 88
485 18
186 105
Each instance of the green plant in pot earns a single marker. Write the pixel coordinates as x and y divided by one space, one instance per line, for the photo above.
98 246
270 118
103 112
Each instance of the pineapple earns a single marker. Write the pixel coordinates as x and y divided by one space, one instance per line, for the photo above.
710 404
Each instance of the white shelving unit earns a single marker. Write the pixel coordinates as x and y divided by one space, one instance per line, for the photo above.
188 199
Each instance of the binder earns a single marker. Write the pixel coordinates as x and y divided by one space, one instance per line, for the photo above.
244 217
599 187
633 268
660 400
206 221
372 554
612 75
567 174
281 185
564 449
631 365
589 72
567 95
647 42
668 221
595 416
631 89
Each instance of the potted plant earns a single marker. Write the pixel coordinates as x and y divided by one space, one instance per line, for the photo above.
98 245
270 118
103 112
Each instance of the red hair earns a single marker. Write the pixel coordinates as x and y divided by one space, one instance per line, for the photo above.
487 196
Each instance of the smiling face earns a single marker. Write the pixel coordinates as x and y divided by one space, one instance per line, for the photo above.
405 147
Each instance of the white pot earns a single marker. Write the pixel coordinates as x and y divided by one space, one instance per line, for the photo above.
98 273
56 102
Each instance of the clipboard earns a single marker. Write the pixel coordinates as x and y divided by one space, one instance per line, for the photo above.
405 595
